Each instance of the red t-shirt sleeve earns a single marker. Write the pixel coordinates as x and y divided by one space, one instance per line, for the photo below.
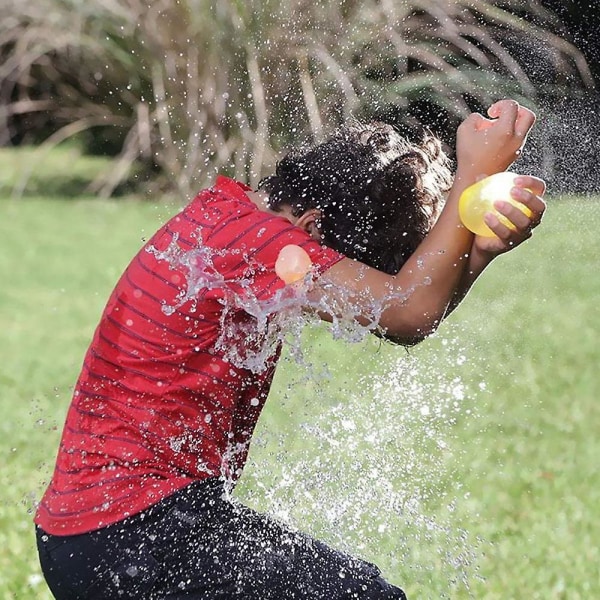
253 241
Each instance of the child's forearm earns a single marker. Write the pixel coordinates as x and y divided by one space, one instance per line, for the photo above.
475 265
441 270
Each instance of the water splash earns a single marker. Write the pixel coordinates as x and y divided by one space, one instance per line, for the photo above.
263 335
375 474
371 474
278 319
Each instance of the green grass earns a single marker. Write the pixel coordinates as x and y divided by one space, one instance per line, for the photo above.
496 484
32 171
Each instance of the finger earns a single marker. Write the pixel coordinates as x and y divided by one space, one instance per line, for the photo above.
534 203
535 184
499 229
476 122
525 121
506 111
484 124
515 215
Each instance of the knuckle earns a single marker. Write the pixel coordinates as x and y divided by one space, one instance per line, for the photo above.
506 235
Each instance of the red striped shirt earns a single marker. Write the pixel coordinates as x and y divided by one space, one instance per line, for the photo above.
160 401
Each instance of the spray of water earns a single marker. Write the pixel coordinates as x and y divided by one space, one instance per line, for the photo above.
371 464
375 472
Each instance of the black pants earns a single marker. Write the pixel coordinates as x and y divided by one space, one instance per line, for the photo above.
197 544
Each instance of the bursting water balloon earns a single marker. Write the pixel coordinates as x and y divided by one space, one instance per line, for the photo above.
292 264
478 199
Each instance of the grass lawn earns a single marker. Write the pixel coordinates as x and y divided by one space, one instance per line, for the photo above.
465 468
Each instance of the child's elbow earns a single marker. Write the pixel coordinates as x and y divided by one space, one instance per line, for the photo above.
409 330
409 338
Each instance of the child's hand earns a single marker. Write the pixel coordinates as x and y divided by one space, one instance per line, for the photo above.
529 191
488 146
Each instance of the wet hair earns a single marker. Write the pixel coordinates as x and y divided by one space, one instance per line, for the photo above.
378 193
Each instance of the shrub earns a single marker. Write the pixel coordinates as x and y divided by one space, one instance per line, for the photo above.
191 87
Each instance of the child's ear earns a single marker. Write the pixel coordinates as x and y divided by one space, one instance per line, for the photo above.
309 221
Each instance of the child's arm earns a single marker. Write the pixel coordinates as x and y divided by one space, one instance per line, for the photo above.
417 298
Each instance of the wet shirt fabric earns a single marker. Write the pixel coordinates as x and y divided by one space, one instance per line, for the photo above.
180 365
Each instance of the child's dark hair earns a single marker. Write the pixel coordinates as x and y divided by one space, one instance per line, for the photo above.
378 193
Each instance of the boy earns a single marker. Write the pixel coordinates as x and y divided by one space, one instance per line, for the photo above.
171 387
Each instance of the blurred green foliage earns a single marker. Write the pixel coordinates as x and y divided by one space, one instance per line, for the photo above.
188 88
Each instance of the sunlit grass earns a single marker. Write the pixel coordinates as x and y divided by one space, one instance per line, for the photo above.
59 262
30 171
521 457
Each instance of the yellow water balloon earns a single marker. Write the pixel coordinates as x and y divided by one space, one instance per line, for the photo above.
478 199
292 264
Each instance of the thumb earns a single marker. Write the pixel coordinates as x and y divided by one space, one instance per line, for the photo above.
476 122
506 111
